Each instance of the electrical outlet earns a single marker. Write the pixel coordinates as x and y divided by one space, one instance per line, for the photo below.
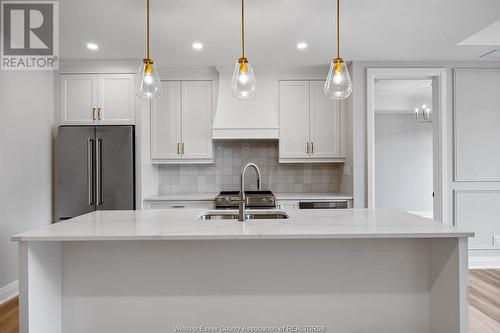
347 170
496 240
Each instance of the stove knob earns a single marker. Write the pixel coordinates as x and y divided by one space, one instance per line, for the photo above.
264 200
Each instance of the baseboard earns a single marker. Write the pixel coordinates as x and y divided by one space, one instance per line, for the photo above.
9 291
484 262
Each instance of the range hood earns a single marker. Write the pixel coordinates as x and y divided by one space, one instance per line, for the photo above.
256 118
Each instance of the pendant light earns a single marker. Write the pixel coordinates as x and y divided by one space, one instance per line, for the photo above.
338 83
148 85
243 84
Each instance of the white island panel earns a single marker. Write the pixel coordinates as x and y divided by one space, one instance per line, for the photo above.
343 285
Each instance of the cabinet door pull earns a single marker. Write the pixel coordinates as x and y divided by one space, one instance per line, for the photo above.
90 172
98 167
312 147
178 148
99 113
183 148
93 113
307 147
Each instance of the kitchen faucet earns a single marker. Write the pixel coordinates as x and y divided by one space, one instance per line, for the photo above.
242 201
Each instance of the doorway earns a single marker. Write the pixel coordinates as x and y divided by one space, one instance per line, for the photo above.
404 145
406 133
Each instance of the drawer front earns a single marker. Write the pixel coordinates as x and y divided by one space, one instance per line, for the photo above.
287 204
179 205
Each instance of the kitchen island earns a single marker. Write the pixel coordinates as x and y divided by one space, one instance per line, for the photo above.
318 271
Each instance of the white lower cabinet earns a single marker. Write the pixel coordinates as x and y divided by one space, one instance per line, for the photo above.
311 125
181 123
97 99
287 204
178 205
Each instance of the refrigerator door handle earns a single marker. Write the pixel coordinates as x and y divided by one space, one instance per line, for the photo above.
99 171
90 187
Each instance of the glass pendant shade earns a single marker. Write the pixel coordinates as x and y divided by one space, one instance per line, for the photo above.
338 83
243 84
148 85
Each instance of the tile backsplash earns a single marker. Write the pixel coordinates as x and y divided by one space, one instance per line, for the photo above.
224 174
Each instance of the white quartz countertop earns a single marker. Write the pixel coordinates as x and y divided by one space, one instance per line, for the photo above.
279 196
183 224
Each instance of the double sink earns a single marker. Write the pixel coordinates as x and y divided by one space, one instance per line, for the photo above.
249 215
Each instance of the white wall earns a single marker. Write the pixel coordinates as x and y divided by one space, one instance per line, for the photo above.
26 120
403 162
358 71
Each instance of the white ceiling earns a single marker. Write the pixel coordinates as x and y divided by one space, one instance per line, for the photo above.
402 96
488 36
372 30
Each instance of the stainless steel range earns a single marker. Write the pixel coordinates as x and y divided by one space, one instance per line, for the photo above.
254 200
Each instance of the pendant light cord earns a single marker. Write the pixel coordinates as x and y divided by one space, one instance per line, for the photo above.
147 28
242 28
338 28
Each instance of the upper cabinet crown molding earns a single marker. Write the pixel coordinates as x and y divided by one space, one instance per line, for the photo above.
97 99
302 73
311 125
191 73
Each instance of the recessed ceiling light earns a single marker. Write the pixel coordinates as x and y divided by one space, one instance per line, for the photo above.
302 46
92 46
197 45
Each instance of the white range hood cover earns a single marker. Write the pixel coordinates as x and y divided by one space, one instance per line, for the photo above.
256 118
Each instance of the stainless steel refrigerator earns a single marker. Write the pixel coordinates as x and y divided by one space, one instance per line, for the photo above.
95 169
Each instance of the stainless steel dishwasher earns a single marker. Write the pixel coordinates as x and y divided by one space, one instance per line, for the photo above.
338 204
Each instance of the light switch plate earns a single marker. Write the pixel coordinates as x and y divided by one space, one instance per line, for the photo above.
347 170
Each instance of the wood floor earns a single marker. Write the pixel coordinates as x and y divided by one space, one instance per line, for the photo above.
484 299
9 316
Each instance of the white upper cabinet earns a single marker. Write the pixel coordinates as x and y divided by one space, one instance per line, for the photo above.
325 123
97 99
166 122
116 99
181 123
310 123
78 99
294 119
196 119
